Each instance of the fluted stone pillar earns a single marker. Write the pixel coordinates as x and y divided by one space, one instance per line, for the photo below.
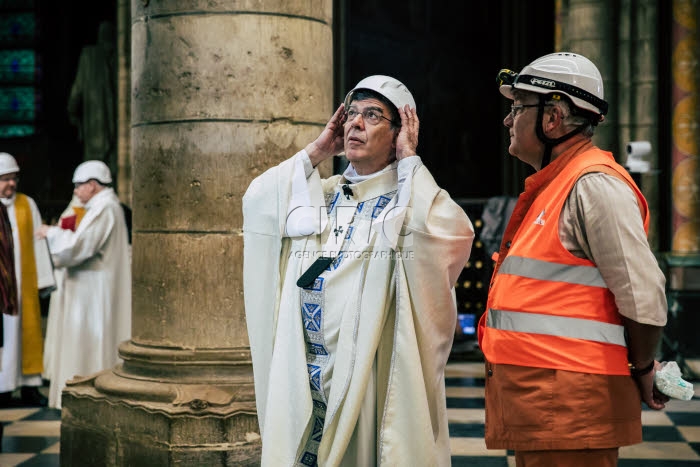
620 37
220 92
588 29
638 95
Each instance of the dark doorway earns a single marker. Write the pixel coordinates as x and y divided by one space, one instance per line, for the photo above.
448 54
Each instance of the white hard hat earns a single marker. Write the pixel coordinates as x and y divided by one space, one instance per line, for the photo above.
391 88
8 164
89 170
566 73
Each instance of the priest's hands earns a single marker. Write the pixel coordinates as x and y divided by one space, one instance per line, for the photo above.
330 141
42 231
407 141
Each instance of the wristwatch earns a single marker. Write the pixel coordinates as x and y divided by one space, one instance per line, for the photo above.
635 371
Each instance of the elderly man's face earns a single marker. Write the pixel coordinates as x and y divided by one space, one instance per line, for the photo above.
521 122
84 191
369 147
8 184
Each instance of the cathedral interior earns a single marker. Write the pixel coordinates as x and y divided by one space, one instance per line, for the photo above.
183 198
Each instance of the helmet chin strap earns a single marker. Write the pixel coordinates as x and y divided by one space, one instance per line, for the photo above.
550 143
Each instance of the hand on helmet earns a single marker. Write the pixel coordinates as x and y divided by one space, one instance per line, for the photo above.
330 141
407 140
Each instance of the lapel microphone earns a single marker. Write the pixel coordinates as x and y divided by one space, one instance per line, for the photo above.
347 191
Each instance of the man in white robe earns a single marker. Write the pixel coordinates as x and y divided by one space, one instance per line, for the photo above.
96 308
70 219
22 357
349 295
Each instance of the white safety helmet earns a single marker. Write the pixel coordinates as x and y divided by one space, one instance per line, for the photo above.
566 73
391 88
8 164
89 170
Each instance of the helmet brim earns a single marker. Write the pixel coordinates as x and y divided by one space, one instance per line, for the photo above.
507 91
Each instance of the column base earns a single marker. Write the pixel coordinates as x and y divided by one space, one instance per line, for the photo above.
163 406
683 293
109 420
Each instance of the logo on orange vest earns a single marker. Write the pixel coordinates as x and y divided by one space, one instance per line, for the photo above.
540 219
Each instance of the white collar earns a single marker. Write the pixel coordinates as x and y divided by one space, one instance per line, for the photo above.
352 176
103 193
9 201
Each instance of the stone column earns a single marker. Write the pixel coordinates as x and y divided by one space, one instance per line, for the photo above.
124 101
620 38
220 92
560 15
638 96
589 29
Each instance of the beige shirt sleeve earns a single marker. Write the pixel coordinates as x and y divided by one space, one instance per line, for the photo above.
601 221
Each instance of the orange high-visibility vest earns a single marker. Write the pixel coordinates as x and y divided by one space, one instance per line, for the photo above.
548 308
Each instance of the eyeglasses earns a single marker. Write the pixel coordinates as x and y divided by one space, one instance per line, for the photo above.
371 116
78 184
11 178
517 108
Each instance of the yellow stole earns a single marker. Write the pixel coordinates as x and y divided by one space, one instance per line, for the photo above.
79 214
32 339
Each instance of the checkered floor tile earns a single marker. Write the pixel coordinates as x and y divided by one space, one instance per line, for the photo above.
671 437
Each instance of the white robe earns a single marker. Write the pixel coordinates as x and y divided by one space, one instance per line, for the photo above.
52 337
394 345
55 314
11 376
96 307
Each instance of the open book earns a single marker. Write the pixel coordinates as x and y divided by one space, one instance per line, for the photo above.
44 268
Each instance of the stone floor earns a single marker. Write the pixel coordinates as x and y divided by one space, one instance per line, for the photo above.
671 437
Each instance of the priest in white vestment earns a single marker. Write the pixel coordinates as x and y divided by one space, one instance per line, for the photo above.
22 358
96 283
349 294
70 219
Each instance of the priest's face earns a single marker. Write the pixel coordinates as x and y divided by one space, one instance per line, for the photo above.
8 185
84 191
370 138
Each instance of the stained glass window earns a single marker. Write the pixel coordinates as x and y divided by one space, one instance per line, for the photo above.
19 69
17 104
17 28
17 66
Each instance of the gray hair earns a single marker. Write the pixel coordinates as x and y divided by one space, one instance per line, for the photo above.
362 94
572 119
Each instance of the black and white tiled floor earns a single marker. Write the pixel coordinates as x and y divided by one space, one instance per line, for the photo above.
671 437
31 436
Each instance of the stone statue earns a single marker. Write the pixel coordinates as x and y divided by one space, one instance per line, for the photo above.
92 104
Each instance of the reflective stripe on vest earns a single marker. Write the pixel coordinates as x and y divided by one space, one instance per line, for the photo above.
547 271
560 326
546 307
